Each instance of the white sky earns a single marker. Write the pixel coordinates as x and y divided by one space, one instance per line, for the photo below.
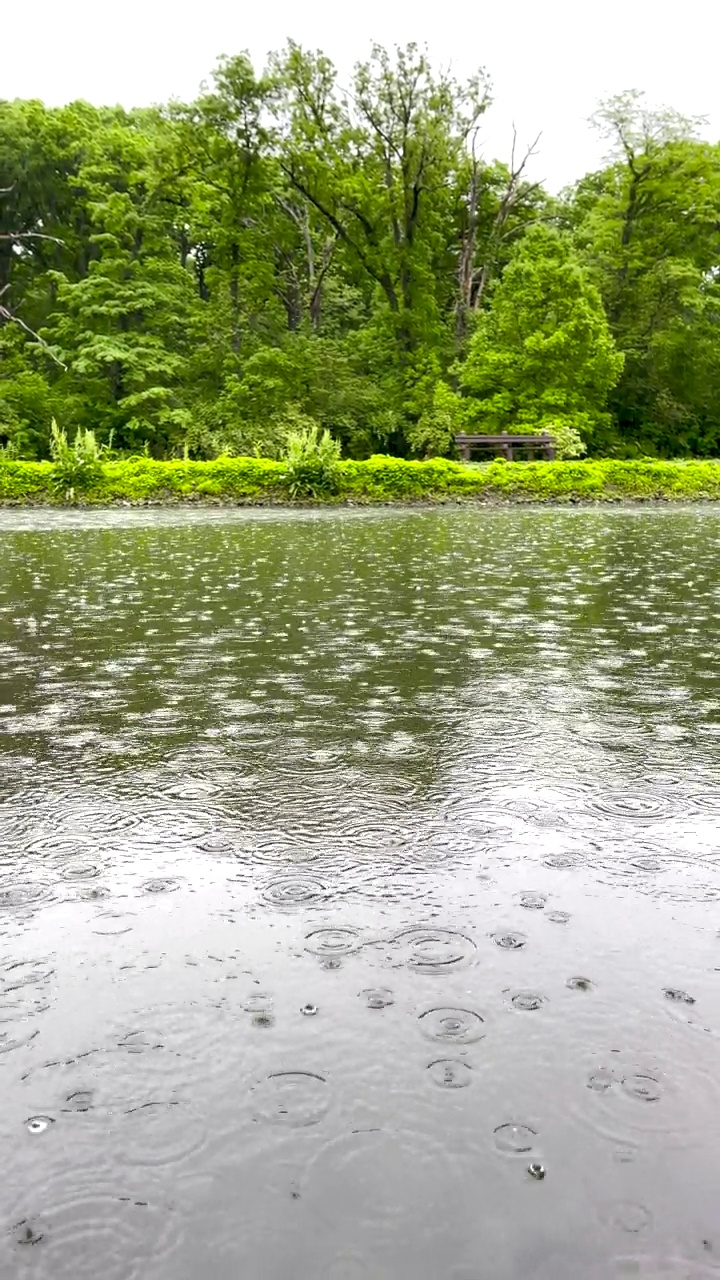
549 60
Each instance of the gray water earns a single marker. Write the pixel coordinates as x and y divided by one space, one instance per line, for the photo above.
351 863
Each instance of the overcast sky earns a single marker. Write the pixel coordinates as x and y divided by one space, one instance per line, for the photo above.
549 60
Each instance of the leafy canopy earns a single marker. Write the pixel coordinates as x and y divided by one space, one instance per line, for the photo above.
542 356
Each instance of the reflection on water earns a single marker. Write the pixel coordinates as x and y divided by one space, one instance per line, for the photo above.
351 866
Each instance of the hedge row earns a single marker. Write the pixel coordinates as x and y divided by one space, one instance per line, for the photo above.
378 479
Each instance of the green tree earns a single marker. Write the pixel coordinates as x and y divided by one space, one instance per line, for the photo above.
380 167
647 227
126 328
282 250
495 204
542 356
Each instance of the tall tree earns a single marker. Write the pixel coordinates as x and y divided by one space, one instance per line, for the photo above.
649 228
125 329
379 165
542 357
496 202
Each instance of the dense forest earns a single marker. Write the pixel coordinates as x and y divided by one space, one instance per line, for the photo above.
203 278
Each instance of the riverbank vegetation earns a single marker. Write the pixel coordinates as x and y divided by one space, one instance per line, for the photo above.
284 255
380 479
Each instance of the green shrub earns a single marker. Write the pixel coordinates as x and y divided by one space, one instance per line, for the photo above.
311 463
77 467
434 432
377 479
26 482
230 479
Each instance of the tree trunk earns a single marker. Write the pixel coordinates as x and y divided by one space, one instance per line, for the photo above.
466 263
235 299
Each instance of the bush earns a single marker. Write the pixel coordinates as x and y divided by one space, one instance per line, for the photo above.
28 403
434 432
77 467
377 479
311 463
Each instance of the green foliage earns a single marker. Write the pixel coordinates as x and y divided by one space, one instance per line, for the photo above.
567 433
435 430
378 479
311 461
188 280
28 404
542 356
647 229
77 467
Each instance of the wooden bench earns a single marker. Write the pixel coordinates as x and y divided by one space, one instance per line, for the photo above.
505 444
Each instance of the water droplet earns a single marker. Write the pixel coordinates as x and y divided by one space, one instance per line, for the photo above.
309 1010
215 843
635 808
24 973
579 984
601 1080
25 1233
81 1100
294 891
113 924
81 870
447 1073
92 892
292 1098
646 863
532 901
462 1026
158 1133
38 1124
161 884
259 1002
509 940
537 1171
516 1139
8 1042
21 894
643 1087
681 997
435 951
141 1042
558 917
378 997
330 943
527 1000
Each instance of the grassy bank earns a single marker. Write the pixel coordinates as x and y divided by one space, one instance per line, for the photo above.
377 480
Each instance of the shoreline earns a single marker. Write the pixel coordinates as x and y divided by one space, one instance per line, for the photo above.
228 503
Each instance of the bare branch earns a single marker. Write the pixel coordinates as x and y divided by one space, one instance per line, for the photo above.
8 317
29 235
508 202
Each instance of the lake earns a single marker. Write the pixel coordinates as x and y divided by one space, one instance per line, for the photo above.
359 880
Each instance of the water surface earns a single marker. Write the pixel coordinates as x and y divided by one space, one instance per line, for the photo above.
351 863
